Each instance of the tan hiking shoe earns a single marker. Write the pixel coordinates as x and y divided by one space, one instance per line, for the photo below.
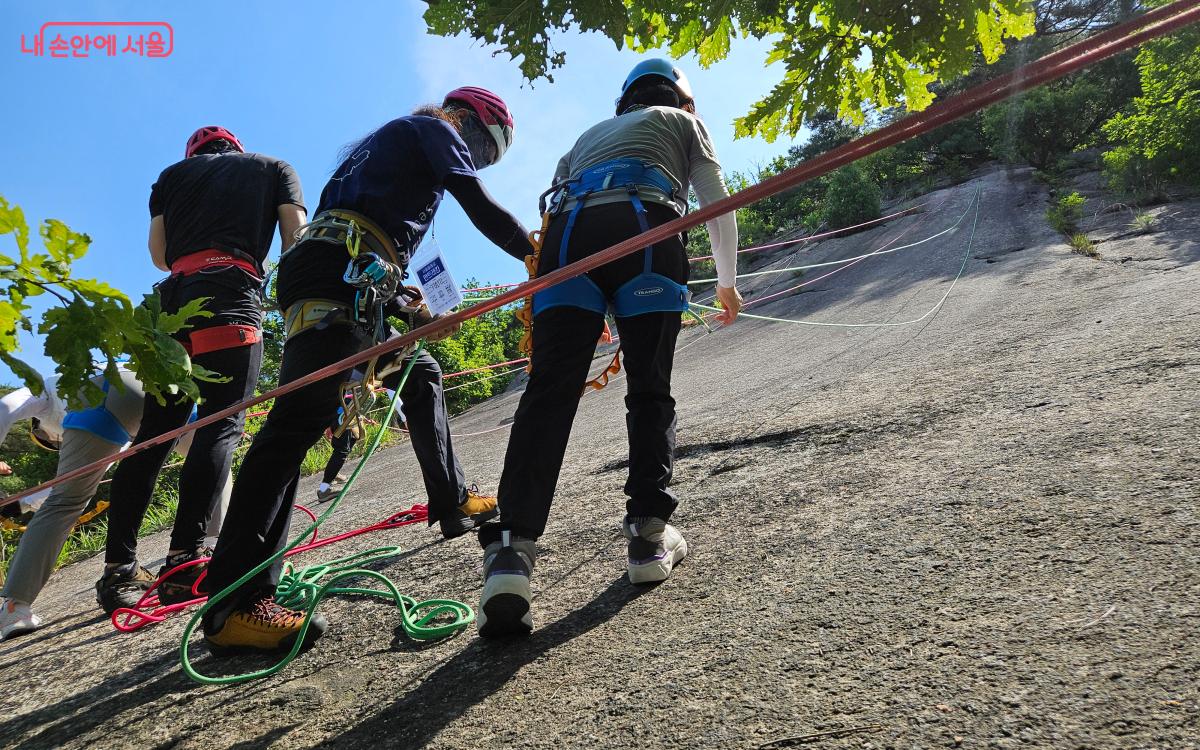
263 625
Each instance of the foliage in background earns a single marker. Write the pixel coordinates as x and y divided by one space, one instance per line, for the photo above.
1043 125
1066 212
852 197
1158 137
821 43
92 316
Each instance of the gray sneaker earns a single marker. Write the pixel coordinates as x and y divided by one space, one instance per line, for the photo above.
655 547
504 606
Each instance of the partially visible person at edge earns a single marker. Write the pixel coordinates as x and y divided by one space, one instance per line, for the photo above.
343 442
624 175
213 216
81 438
382 196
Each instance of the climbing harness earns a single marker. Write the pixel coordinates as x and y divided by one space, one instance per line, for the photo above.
9 524
215 338
353 231
645 293
419 618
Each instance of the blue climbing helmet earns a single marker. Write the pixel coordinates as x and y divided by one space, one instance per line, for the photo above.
658 67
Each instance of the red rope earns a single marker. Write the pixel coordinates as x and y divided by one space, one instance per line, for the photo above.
1055 65
149 610
821 236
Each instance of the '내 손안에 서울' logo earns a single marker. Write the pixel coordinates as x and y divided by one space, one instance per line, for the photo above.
83 39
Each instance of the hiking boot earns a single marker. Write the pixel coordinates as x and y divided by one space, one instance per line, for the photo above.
17 618
474 512
330 492
264 626
655 547
123 587
178 588
504 606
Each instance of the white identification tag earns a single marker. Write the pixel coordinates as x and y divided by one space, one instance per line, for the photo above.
437 285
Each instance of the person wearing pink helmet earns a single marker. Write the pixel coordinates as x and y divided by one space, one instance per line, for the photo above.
337 286
213 216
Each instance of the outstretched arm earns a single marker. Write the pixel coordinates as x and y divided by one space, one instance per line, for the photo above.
488 216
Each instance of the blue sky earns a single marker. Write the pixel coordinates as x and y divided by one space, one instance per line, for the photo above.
297 81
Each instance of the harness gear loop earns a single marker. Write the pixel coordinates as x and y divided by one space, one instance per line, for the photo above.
352 230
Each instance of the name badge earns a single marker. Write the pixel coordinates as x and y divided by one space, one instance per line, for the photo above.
437 285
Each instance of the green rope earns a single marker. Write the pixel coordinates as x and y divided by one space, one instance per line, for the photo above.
302 588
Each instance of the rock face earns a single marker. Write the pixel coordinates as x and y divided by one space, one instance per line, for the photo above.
977 530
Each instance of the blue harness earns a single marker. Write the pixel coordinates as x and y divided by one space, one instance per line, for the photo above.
101 422
647 292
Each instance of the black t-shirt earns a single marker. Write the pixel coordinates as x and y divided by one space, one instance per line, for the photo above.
225 202
395 178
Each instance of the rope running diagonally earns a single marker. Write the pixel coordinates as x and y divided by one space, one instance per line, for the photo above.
303 588
931 311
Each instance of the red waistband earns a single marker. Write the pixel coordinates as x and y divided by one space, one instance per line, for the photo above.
221 337
194 262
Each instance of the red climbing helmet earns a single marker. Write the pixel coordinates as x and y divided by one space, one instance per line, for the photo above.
210 133
492 112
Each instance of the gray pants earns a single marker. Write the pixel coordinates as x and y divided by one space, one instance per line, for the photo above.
43 540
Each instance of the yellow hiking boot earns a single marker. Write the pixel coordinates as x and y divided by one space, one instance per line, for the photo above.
477 503
263 625
473 512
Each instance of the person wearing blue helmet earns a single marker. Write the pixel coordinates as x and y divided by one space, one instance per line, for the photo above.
623 176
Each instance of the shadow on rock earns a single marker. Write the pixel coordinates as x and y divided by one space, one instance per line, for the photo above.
72 719
479 670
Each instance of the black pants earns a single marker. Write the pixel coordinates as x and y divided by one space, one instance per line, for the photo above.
233 299
342 445
256 525
564 341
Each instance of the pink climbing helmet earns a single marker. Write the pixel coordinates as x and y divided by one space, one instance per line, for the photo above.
208 134
492 111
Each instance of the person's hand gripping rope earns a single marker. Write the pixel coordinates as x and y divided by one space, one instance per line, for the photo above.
731 304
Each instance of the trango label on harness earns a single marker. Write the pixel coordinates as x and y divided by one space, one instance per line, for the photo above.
437 285
648 292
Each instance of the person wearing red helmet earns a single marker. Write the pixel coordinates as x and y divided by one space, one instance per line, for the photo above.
372 216
213 216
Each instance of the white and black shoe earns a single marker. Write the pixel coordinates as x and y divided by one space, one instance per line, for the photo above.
504 606
655 548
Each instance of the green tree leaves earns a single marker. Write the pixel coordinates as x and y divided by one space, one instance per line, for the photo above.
1157 137
837 54
91 317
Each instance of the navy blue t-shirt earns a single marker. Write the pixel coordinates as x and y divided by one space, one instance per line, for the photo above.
394 178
